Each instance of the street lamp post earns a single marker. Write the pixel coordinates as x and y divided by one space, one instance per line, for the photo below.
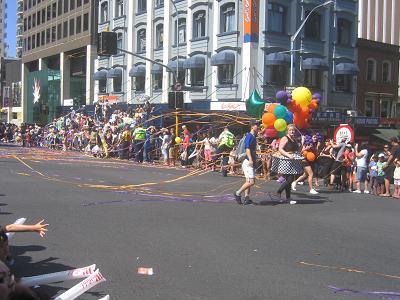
294 36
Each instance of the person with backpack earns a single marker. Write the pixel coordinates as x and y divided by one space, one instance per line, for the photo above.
248 165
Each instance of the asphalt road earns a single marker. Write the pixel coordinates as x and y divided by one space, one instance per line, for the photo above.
187 227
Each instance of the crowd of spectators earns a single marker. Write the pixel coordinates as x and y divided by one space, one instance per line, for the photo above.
129 135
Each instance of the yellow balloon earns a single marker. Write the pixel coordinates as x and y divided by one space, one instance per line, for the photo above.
280 125
302 96
178 140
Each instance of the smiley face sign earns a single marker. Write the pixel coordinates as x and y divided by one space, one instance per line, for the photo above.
344 132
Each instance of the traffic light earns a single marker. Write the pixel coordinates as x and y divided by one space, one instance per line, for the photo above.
175 100
106 43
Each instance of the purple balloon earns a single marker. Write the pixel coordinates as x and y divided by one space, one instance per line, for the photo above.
316 96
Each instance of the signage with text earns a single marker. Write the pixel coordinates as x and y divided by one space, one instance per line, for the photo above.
228 106
251 11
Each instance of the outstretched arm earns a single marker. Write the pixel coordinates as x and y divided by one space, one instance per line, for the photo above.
38 227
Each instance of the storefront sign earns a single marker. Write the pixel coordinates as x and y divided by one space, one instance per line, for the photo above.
344 132
390 121
228 106
68 102
251 11
366 121
110 99
327 117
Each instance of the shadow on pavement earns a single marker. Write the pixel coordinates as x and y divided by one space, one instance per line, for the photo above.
24 267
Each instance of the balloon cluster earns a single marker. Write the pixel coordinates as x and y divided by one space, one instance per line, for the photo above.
295 108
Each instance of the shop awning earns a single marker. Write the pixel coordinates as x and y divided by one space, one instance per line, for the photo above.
346 69
138 71
156 69
276 58
386 134
195 62
223 58
314 63
114 73
172 64
100 75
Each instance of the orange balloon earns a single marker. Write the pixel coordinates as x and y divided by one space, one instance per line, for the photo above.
314 104
305 152
268 119
310 156
271 108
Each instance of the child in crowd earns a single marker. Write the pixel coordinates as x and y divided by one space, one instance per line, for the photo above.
396 177
373 173
380 179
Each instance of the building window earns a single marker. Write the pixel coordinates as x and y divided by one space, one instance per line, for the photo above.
38 17
78 24
43 38
181 25
119 8
78 3
25 25
71 27
386 72
313 26
276 18
54 10
38 39
227 18
385 108
33 41
120 40
102 86
199 24
277 75
197 77
117 84
181 76
53 34
65 6
104 12
43 15
371 69
72 5
159 3
59 7
343 83
48 36
142 6
344 32
225 74
29 22
138 84
58 31
33 20
29 43
157 82
312 78
141 40
159 36
369 108
48 13
86 22
65 29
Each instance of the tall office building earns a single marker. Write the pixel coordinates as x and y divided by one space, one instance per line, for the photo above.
57 56
3 28
20 28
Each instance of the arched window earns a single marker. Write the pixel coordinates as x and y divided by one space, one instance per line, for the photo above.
119 8
371 69
386 72
141 40
104 12
227 18
276 18
180 29
199 24
312 28
159 36
344 32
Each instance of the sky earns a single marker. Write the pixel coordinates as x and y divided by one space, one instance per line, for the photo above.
11 26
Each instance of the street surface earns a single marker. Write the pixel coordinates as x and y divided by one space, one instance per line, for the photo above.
186 226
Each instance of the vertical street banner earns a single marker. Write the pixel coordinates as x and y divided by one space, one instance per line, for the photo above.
251 11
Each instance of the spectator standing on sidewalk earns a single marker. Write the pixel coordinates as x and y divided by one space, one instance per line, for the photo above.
362 166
